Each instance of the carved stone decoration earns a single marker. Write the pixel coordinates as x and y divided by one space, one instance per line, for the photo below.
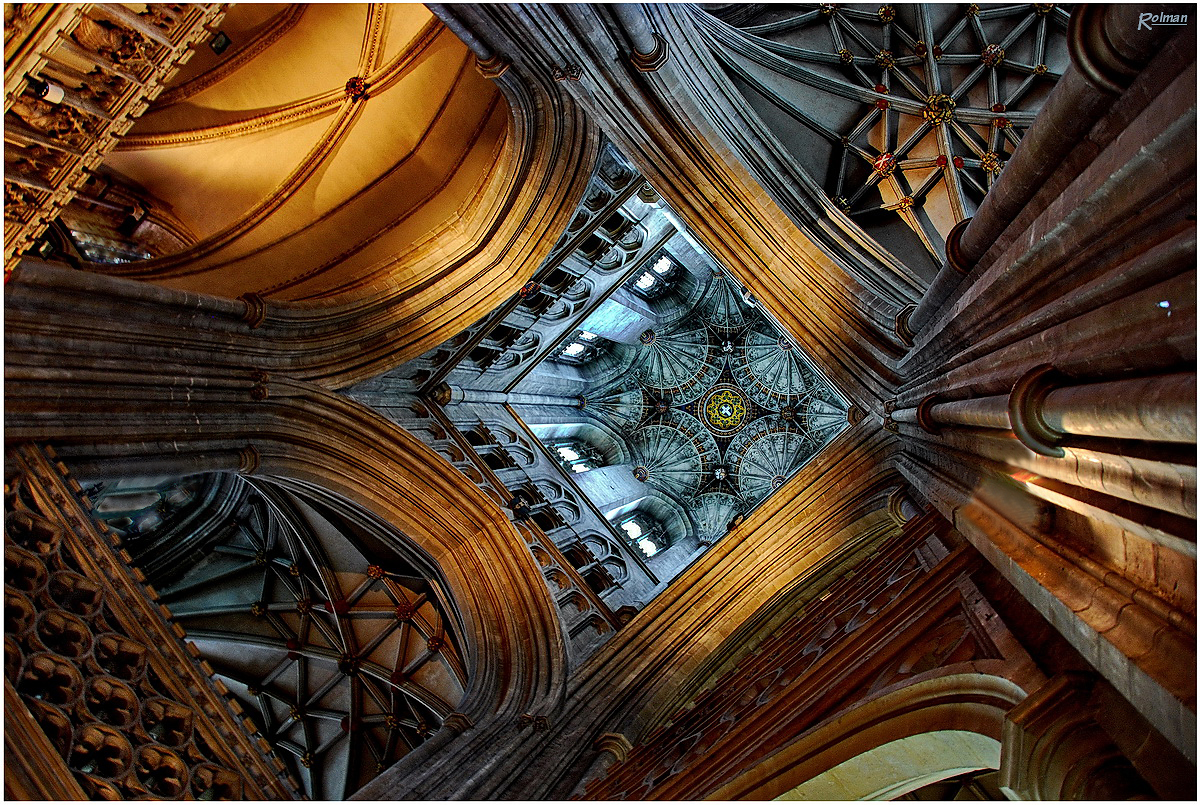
119 45
118 60
357 88
939 108
655 59
19 19
572 72
1053 749
95 663
62 123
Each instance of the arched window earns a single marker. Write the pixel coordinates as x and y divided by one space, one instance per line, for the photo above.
584 347
653 282
644 534
578 457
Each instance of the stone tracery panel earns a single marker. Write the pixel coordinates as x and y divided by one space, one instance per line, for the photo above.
130 712
798 678
344 665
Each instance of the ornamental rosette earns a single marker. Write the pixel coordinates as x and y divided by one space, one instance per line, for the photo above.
991 162
992 55
885 164
357 87
938 108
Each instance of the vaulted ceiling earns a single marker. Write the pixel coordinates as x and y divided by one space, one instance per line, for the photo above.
717 407
336 644
321 150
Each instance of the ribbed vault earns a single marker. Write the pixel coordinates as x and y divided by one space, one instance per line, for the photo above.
273 155
344 663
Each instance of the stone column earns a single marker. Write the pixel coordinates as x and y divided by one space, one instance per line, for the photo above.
450 395
1156 409
1107 52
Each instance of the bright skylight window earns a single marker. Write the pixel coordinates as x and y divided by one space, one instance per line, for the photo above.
574 349
581 466
568 453
584 335
663 265
646 280
648 547
631 528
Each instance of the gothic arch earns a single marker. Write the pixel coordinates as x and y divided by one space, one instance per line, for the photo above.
902 766
972 700
315 439
360 329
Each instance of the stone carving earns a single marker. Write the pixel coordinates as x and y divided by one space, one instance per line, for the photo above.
60 122
119 45
17 19
777 671
19 202
90 678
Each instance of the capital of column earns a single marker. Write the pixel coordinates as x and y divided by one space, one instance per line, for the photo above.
440 394
900 505
492 67
457 722
1092 51
615 744
925 420
1053 748
656 58
649 48
903 332
248 460
256 310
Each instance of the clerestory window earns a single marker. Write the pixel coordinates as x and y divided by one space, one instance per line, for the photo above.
643 535
576 457
584 347
656 280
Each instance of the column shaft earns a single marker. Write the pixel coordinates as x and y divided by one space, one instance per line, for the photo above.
1161 409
